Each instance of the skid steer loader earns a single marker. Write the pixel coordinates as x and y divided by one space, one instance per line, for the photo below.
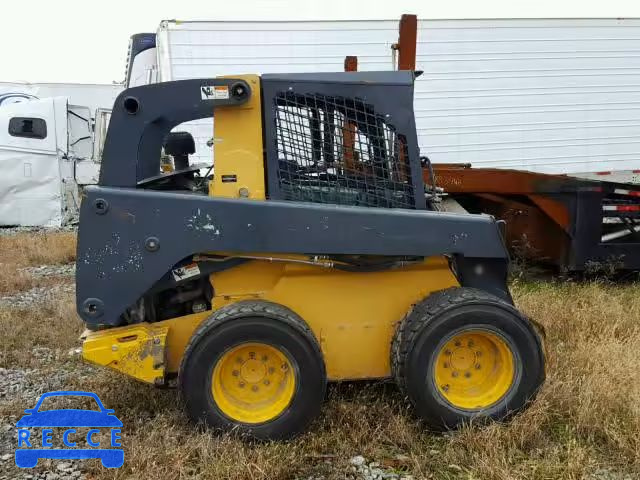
312 255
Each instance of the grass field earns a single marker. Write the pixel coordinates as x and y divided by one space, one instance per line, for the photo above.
584 424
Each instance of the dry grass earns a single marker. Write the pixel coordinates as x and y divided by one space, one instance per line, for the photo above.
585 420
32 249
26 249
50 324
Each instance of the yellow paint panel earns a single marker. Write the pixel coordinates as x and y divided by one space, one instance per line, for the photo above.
354 315
237 146
136 350
179 333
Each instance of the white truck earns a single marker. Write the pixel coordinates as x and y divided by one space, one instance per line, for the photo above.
543 95
49 149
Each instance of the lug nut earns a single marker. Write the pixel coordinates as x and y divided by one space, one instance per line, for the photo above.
254 388
284 367
241 384
468 374
454 374
266 382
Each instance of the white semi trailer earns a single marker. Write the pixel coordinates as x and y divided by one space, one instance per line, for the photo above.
542 95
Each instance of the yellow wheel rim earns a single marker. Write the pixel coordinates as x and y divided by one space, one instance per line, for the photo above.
474 369
253 383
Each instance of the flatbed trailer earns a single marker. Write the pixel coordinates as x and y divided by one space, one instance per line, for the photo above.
557 220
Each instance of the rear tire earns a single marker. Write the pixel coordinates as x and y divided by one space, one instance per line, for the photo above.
463 354
256 368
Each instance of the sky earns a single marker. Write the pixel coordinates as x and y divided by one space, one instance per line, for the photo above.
86 41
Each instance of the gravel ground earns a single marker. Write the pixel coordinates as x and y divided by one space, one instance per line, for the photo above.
26 386
37 230
56 370
35 295
374 471
67 270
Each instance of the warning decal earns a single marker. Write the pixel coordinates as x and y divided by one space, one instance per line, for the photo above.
188 271
214 92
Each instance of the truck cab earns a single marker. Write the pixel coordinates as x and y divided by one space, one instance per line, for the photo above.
46 152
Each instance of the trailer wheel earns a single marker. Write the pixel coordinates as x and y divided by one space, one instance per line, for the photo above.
463 354
254 367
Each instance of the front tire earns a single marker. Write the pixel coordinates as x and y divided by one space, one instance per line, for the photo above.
463 354
256 368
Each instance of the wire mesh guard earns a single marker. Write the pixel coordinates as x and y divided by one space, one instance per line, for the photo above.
338 150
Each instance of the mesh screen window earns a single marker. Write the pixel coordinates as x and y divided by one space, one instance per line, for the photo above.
339 150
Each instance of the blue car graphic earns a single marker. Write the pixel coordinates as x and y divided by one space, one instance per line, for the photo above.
28 457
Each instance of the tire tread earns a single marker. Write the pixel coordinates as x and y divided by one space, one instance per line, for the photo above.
246 308
426 311
296 327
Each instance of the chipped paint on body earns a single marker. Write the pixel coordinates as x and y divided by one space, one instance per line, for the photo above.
101 257
202 222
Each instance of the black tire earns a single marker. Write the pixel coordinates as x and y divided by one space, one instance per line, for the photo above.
267 323
422 333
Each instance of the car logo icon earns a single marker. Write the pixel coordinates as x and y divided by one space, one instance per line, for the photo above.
28 452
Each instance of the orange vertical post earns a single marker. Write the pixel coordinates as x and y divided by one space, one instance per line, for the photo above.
407 41
349 129
350 64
